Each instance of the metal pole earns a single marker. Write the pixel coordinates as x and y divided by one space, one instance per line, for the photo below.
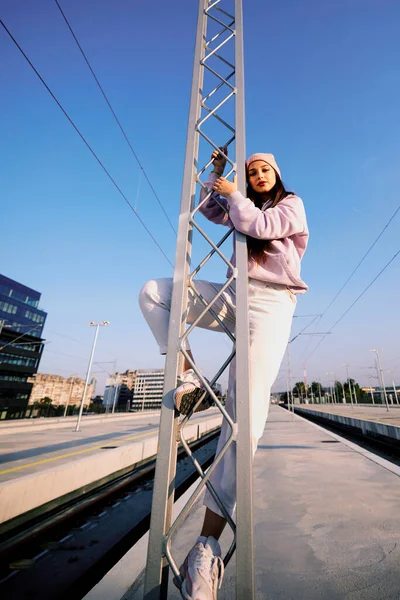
320 400
160 555
245 587
305 383
355 394
117 388
157 568
348 382
69 398
382 380
395 392
97 325
290 380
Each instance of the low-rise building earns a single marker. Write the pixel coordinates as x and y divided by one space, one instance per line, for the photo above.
61 390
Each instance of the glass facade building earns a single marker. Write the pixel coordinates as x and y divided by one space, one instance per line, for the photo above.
19 308
21 328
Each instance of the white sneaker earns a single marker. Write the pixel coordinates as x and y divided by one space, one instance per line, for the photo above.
202 571
189 391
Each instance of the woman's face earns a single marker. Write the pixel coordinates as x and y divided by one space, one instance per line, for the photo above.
262 176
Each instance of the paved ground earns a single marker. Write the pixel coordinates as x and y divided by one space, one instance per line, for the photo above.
327 520
368 413
27 452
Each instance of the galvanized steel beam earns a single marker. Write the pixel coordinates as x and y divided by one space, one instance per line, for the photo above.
218 61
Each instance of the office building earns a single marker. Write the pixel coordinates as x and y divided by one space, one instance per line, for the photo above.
148 389
119 387
21 344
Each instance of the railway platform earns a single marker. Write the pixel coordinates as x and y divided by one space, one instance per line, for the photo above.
327 520
41 468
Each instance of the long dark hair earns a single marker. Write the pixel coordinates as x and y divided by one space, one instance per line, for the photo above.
256 247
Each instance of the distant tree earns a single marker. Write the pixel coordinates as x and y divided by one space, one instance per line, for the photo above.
95 407
299 389
315 388
46 401
361 395
338 386
46 407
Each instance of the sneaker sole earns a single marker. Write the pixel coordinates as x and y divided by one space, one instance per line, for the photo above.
182 588
184 402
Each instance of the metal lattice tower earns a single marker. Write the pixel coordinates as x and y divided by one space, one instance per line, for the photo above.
216 110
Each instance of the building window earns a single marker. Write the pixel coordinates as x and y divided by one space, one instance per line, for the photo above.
34 317
12 359
12 378
8 308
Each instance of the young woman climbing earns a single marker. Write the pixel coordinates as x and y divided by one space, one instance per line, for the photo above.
274 221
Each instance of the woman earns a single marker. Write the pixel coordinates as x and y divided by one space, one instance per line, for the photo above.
274 222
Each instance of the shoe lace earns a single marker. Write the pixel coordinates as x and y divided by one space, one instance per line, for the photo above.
206 563
220 565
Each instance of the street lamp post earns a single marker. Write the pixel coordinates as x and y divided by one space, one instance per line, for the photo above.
394 386
117 388
380 373
330 385
334 387
97 325
395 392
69 396
370 388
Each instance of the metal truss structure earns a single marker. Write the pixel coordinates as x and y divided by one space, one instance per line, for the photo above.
216 111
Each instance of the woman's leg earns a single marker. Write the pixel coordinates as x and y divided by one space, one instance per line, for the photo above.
155 302
270 315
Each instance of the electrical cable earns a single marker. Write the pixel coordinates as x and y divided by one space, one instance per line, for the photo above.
85 142
21 336
355 301
115 116
351 275
362 260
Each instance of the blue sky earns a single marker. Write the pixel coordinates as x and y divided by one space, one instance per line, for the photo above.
322 88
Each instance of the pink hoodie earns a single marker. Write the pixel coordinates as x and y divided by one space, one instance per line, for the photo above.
285 225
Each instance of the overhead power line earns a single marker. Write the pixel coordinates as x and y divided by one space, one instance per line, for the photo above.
355 301
115 116
362 260
85 142
350 277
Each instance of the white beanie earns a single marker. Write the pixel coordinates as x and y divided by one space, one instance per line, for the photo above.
268 158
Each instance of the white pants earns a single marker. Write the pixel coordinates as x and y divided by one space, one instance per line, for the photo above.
271 309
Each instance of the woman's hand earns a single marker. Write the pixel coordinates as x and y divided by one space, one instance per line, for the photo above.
219 161
224 187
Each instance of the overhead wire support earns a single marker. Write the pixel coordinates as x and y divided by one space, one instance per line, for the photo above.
115 116
85 141
219 38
